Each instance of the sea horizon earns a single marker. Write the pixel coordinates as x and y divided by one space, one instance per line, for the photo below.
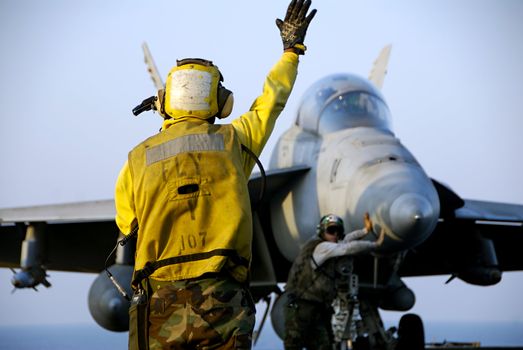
80 336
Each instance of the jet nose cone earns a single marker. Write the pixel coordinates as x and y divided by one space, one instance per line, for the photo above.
412 218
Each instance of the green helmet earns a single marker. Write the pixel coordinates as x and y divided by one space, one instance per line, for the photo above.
331 220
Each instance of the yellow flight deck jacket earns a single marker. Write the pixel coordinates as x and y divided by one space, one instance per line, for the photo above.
186 187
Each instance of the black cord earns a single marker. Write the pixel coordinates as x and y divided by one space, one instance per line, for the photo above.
121 242
262 171
128 237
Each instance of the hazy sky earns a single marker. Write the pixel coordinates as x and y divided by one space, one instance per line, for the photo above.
72 71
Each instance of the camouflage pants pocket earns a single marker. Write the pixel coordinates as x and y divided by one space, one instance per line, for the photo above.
232 319
202 315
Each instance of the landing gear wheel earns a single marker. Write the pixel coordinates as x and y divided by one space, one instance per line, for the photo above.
411 334
362 343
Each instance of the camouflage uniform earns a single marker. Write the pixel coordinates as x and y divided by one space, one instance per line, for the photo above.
307 324
310 293
210 313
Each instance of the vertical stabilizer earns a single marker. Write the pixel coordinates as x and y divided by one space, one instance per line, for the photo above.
379 70
151 68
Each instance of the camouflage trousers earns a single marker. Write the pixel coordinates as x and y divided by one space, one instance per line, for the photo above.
307 325
210 313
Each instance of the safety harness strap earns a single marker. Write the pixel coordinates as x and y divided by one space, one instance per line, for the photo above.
150 267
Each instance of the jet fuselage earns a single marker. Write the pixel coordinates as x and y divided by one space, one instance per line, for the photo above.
357 165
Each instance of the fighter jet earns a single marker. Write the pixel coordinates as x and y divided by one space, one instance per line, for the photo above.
341 157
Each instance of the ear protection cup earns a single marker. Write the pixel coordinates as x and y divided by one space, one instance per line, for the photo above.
159 103
225 102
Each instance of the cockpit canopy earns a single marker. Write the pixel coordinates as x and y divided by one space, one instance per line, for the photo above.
342 101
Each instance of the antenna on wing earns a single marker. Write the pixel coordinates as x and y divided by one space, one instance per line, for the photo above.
379 70
151 67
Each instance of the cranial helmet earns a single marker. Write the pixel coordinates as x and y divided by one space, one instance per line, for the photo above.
332 221
194 88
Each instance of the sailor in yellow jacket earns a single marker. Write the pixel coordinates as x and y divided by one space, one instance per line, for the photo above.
185 191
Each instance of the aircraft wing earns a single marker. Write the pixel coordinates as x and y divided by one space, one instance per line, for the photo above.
464 229
79 236
276 179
